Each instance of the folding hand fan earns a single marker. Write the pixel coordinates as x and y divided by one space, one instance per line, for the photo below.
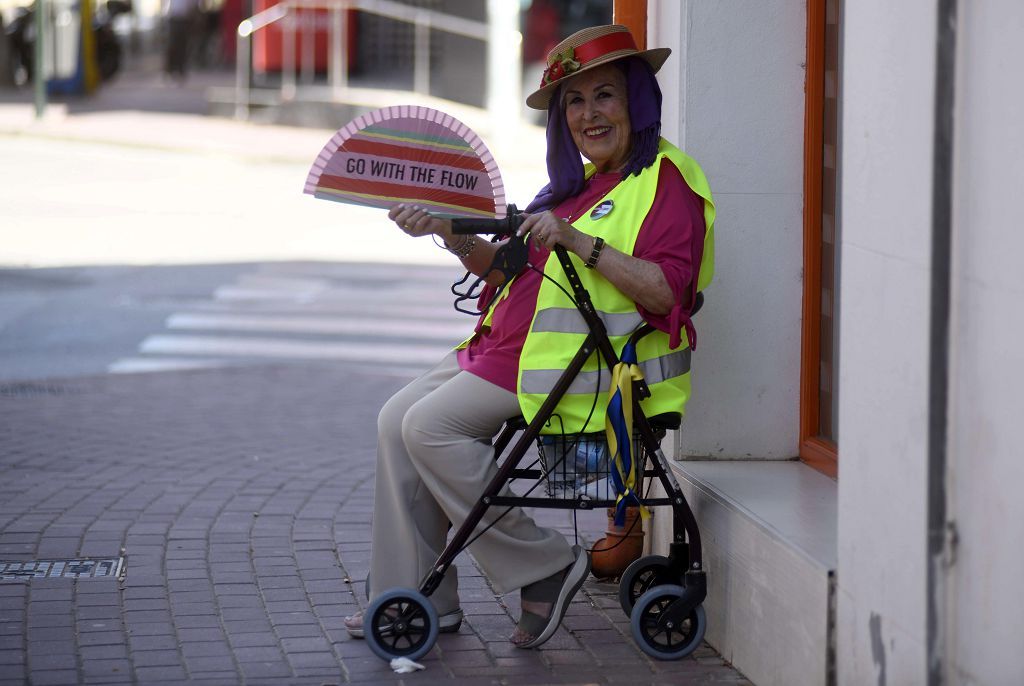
409 154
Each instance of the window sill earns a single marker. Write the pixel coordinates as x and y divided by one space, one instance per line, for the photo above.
768 530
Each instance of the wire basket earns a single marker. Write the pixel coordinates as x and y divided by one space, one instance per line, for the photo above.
578 465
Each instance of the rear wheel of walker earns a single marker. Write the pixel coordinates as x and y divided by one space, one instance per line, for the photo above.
401 623
641 576
661 639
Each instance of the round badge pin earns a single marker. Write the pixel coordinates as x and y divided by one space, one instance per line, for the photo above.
602 210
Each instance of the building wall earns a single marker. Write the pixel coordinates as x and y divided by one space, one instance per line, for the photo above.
733 92
986 595
734 102
886 139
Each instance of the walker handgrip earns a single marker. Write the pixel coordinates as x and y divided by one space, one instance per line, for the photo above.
506 226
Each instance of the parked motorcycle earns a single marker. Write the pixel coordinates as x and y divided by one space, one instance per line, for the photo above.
21 37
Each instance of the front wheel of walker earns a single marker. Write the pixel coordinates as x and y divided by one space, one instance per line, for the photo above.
641 576
656 634
401 623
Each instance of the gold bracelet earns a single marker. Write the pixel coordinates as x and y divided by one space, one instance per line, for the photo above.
463 247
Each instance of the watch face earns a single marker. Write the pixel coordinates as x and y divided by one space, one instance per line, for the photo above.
602 210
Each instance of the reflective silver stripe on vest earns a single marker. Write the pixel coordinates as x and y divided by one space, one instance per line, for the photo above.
655 370
569 320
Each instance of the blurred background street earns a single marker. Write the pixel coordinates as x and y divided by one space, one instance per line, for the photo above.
145 228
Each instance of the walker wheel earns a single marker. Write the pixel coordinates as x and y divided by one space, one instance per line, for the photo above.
641 576
401 623
659 639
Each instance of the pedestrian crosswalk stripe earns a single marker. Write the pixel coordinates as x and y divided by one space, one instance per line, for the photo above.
238 346
360 292
133 365
393 320
446 332
377 309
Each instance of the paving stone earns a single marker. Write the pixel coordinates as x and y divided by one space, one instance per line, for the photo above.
247 627
265 669
206 649
98 612
168 673
299 631
56 677
155 658
84 626
49 607
106 667
242 613
112 652
36 621
150 629
50 594
313 659
146 604
210 663
254 639
146 616
11 657
140 643
293 646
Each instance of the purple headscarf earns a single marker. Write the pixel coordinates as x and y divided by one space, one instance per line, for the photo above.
565 168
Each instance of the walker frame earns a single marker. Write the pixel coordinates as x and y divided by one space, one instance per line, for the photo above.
662 595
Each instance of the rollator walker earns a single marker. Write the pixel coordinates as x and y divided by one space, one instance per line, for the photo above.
661 595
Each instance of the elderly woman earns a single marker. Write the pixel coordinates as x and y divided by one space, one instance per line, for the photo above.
635 220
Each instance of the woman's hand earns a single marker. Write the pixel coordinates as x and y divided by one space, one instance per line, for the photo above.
642 281
415 221
549 231
418 222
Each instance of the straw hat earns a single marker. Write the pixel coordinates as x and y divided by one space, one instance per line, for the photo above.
585 50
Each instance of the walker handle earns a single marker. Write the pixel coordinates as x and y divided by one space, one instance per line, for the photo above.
503 227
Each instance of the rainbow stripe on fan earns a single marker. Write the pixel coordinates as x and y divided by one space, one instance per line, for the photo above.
409 154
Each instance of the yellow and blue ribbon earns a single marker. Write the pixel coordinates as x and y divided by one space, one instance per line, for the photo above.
619 430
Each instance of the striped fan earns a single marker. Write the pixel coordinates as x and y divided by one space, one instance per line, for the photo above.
409 154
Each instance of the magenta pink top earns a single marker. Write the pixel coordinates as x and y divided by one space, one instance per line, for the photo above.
672 237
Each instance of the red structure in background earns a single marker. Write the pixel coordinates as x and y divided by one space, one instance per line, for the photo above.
230 17
268 44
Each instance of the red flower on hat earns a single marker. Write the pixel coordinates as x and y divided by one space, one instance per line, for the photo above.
564 64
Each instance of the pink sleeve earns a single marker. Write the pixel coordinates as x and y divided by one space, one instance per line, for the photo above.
672 237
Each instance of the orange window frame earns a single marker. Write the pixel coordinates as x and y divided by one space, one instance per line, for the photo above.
817 452
633 15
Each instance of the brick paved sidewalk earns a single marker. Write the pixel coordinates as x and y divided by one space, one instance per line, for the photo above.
240 500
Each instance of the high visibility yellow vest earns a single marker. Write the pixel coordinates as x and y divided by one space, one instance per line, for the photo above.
558 329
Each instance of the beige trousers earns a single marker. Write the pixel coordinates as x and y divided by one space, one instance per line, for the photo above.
434 459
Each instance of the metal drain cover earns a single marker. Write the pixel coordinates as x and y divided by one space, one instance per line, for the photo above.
27 390
76 568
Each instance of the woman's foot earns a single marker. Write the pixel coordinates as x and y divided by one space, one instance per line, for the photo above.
544 602
448 623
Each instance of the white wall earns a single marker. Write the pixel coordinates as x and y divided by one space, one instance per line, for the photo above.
986 612
734 101
887 100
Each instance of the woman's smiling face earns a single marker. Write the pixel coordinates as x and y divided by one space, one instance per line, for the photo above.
597 113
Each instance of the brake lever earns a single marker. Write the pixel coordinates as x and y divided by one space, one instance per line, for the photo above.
508 260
